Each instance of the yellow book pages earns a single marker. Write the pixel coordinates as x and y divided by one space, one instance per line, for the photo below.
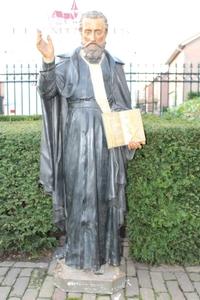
122 127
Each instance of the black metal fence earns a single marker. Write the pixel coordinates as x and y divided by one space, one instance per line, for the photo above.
18 90
153 88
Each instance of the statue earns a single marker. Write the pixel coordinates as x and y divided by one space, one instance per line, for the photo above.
87 181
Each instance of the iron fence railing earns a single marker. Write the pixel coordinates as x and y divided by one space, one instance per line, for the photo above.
153 88
18 90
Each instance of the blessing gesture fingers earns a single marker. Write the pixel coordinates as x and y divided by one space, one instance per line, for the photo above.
46 48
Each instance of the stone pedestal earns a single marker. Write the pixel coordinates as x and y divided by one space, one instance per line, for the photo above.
78 281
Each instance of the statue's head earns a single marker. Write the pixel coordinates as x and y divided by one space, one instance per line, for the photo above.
93 28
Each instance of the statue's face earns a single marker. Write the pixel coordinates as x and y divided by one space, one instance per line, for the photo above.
93 31
93 36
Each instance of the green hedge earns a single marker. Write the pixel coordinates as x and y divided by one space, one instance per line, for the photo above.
9 118
26 216
164 194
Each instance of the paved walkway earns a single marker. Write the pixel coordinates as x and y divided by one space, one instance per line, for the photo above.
34 281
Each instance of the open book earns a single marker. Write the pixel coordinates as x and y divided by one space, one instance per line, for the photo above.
121 127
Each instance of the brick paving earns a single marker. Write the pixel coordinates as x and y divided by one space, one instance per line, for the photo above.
34 281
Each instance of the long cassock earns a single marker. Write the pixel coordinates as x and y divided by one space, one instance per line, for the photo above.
86 180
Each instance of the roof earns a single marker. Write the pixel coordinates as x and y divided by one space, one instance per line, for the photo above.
67 15
181 46
64 15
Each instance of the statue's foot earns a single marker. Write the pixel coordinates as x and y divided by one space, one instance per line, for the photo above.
100 271
59 253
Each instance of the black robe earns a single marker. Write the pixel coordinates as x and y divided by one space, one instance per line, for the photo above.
87 181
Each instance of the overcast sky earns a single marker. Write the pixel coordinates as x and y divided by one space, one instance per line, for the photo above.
152 28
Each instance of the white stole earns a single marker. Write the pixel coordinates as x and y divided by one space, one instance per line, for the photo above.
98 85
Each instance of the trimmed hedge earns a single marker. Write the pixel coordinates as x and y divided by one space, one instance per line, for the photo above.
26 216
5 118
164 194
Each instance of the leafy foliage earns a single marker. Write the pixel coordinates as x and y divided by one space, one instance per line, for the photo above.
163 194
191 95
25 222
189 110
9 118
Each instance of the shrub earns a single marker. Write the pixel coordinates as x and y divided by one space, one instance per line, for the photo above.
25 223
163 189
187 110
192 95
9 118
163 194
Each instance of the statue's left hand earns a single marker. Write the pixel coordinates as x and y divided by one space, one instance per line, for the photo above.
135 145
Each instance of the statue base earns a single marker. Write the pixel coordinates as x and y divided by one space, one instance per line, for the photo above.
71 280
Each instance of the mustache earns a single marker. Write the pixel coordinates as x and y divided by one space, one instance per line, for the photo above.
92 43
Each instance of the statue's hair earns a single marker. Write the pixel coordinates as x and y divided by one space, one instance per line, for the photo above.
93 14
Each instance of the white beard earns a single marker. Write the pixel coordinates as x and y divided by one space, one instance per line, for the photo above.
93 52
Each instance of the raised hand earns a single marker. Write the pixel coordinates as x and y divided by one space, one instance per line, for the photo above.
46 48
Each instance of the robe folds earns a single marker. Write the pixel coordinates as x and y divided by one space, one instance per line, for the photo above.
87 181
